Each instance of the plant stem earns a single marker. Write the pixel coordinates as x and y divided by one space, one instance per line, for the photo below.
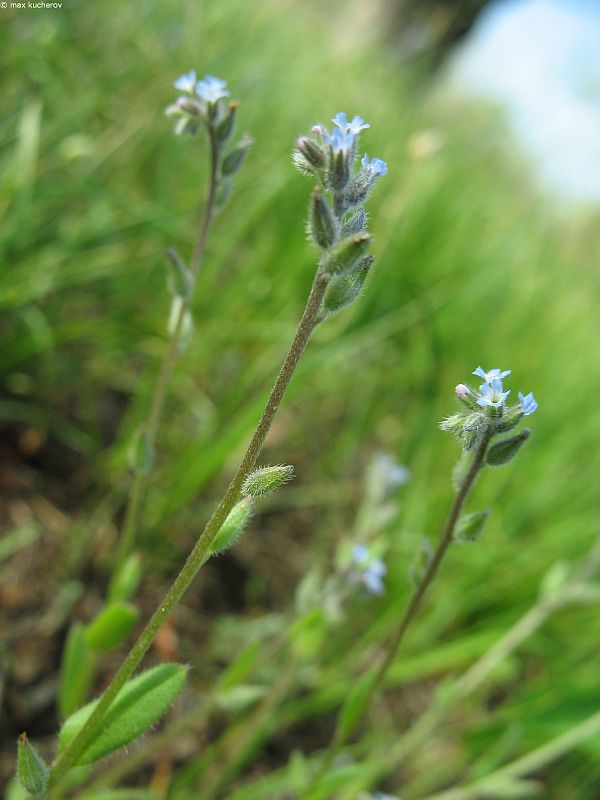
194 561
393 646
140 479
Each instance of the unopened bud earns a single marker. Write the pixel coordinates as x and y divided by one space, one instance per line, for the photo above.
356 193
267 479
322 224
466 396
312 152
233 527
339 170
356 223
344 256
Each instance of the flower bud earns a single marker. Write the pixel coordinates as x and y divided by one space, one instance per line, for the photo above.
356 223
312 152
32 772
233 527
504 451
234 160
345 255
466 396
267 479
226 126
356 193
339 170
322 225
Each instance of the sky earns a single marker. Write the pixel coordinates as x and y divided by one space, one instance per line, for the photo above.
540 61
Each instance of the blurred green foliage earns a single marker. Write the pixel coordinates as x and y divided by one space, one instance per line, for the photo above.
472 266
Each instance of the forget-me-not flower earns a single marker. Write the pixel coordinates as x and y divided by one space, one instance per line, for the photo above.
355 126
211 89
339 141
491 394
376 165
493 374
186 82
367 571
528 403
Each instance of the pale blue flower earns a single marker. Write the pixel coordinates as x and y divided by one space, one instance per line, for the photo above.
368 571
186 82
491 394
355 126
211 89
528 403
493 374
339 141
375 165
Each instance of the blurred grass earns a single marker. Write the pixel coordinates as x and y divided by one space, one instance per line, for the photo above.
472 267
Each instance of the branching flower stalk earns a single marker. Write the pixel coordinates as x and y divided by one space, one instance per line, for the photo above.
485 417
339 233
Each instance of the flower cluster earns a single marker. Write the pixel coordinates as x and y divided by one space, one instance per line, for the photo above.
338 226
201 103
487 409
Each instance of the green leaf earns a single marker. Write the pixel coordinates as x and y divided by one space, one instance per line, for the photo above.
111 627
179 279
470 527
504 451
140 704
356 703
32 772
76 671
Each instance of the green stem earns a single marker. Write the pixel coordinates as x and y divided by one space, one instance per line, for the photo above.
194 561
340 737
138 486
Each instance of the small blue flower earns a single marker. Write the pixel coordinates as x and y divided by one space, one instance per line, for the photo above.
186 82
368 572
355 126
528 403
491 394
375 165
493 374
339 141
211 89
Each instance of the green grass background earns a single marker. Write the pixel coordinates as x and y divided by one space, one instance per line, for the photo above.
472 266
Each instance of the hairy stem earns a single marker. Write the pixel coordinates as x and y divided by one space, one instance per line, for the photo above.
340 737
140 479
194 561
